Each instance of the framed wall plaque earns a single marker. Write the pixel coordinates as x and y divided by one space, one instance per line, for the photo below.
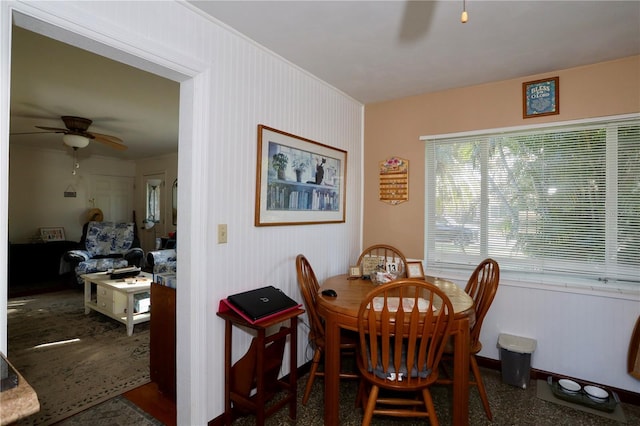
394 180
541 97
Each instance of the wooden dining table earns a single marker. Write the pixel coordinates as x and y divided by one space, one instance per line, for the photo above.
341 312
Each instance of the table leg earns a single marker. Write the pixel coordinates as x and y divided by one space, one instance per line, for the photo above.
228 335
293 364
461 374
260 396
129 314
332 372
87 295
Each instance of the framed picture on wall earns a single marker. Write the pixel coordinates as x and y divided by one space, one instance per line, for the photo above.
541 97
52 234
299 181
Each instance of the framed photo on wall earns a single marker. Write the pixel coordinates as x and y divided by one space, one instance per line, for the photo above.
299 181
415 270
541 97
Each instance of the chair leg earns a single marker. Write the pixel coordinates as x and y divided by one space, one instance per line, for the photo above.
481 389
312 375
431 409
371 405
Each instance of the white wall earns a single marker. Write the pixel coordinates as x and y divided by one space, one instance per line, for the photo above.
229 86
38 179
580 332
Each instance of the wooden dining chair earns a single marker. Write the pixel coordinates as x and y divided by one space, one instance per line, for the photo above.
389 253
482 287
309 288
403 327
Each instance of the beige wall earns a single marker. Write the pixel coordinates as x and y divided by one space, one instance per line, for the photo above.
393 128
38 179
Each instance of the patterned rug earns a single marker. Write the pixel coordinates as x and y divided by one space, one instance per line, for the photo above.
72 360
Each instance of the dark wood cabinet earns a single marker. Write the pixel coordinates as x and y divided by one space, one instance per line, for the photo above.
163 339
37 262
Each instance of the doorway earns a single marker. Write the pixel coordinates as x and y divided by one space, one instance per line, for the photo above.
3 319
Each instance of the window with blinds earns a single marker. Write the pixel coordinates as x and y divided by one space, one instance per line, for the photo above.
553 200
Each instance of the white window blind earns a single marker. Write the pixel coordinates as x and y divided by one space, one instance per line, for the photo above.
556 200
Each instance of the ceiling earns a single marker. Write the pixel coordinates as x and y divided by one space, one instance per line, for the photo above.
50 79
371 50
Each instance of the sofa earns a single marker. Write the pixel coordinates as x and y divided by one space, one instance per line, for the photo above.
105 246
162 261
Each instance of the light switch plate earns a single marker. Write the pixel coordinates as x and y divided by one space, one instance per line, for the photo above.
222 233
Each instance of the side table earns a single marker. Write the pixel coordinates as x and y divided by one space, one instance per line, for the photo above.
259 367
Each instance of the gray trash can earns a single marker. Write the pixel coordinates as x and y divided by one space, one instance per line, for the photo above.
515 355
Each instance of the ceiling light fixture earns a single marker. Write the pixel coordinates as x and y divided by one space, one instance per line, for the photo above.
465 16
75 141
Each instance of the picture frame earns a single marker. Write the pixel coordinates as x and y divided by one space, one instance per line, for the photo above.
541 97
369 264
299 181
415 270
52 234
355 272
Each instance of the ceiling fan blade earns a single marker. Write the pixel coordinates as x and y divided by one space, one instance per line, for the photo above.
112 141
31 133
53 129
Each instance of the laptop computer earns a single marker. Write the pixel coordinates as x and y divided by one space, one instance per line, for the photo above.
262 302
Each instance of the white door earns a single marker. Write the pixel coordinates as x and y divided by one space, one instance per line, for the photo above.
114 196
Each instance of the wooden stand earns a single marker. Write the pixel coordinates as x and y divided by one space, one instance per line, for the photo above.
259 368
162 343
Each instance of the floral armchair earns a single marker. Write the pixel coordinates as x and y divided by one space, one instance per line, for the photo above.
105 246
162 261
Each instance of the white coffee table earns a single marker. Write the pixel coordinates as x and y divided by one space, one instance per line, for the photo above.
114 298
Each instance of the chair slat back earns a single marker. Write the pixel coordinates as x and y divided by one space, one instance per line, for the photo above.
390 253
482 287
309 288
403 327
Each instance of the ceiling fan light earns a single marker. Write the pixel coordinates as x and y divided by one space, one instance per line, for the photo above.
75 141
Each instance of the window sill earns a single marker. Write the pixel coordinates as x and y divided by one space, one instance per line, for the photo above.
565 284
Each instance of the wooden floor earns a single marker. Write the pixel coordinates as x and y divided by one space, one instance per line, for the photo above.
149 399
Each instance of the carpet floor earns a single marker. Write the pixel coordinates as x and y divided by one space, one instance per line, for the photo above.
72 360
510 406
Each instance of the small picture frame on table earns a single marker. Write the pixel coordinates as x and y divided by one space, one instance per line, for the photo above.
355 272
52 234
415 270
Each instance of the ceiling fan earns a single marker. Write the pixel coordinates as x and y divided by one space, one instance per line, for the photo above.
77 136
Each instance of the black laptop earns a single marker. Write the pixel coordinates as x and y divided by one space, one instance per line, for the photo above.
262 302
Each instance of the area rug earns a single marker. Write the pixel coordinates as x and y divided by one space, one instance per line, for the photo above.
72 360
544 392
116 411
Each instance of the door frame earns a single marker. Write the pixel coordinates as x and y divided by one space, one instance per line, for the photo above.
61 21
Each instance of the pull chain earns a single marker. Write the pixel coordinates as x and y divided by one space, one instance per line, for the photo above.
76 165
